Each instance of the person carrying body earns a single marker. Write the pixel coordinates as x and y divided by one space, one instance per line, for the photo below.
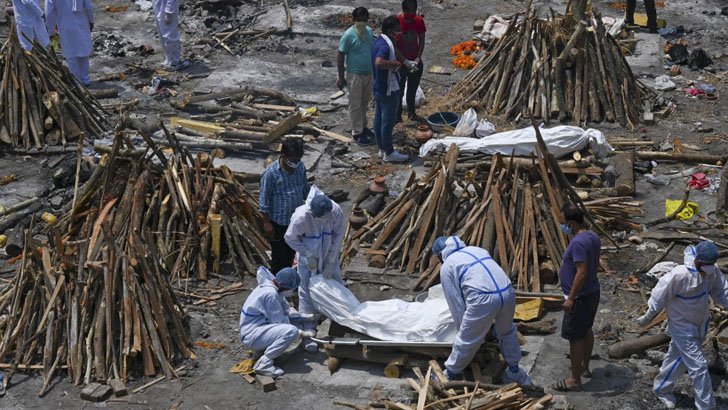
479 295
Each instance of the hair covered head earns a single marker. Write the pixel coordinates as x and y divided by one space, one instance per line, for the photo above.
389 24
320 206
360 14
572 213
439 245
288 278
706 252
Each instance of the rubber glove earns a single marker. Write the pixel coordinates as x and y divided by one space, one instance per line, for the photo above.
644 320
330 267
307 333
311 262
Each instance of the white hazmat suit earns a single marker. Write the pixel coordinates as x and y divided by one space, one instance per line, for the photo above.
318 240
479 293
29 24
73 19
683 293
166 13
264 322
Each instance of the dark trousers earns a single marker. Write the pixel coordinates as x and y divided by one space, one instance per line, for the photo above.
281 254
412 81
650 10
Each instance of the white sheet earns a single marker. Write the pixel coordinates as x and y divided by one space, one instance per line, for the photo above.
391 320
560 140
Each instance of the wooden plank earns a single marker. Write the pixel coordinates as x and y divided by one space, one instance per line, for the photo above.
282 128
272 107
199 126
422 399
333 135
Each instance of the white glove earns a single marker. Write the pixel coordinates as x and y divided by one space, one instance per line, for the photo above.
644 320
330 268
411 65
311 262
167 18
307 333
293 313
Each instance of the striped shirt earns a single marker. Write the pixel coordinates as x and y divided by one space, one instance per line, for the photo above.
281 193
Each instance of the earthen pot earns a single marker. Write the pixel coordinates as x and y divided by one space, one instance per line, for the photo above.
357 219
423 133
378 186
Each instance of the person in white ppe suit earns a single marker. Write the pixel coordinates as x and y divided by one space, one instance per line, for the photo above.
478 294
265 319
683 293
74 20
316 232
29 24
166 13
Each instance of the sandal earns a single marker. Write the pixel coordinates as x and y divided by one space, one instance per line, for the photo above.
563 387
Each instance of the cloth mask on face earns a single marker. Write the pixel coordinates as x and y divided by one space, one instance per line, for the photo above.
361 28
566 229
292 165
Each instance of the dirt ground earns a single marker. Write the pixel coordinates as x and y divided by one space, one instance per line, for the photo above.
303 65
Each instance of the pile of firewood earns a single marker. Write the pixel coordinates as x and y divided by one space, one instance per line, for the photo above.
40 101
95 298
434 391
512 209
559 66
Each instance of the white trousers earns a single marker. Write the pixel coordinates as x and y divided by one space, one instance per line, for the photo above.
475 325
79 68
686 354
273 340
169 34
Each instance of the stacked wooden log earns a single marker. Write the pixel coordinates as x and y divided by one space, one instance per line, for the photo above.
95 298
511 209
556 67
433 391
40 101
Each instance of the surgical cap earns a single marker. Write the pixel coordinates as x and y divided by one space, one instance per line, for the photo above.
439 245
320 205
288 278
706 252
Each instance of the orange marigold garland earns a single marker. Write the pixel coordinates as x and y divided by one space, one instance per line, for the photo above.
465 46
464 61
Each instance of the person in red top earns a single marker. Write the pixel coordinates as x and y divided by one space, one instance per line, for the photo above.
410 45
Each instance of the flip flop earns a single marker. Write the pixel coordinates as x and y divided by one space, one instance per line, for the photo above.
563 387
586 374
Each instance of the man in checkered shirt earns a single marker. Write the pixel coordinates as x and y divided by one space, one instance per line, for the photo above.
283 187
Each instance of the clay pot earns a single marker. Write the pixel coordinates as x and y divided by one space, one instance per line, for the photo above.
423 133
357 219
378 186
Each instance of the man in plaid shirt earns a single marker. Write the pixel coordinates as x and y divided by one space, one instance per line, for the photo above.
283 188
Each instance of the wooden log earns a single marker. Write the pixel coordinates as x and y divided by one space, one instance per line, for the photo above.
721 204
624 167
627 348
686 157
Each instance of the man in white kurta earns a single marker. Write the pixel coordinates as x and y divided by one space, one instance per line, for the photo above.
29 24
74 20
166 13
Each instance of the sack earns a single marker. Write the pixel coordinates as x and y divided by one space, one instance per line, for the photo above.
678 54
484 129
419 97
699 59
467 124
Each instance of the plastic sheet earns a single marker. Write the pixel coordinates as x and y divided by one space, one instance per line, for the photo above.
560 140
392 320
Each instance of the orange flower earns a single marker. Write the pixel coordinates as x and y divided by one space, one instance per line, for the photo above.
464 61
465 46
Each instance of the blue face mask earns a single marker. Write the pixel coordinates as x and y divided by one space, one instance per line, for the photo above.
566 229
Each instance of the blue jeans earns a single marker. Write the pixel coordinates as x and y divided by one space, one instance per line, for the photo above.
385 115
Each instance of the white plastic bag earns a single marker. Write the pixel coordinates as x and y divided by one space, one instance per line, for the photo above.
467 124
484 129
419 97
663 83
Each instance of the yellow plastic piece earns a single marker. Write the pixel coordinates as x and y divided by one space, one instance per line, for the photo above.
244 367
641 20
529 310
691 209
